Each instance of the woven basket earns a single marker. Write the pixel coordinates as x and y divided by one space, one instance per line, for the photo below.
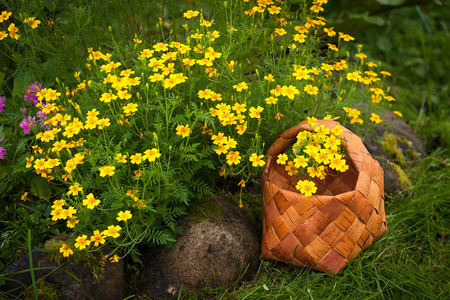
327 230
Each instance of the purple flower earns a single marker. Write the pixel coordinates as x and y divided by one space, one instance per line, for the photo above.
2 153
2 103
42 116
30 93
24 111
27 125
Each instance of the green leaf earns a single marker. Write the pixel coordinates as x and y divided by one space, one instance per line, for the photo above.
20 146
2 78
391 2
40 188
5 171
21 82
384 44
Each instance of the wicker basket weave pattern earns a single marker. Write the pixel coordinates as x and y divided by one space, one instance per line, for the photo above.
327 230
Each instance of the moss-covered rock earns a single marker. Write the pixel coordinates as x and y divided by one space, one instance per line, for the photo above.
91 260
403 179
204 209
45 290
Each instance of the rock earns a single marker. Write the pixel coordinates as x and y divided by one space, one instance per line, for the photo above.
393 124
391 181
395 146
108 285
214 249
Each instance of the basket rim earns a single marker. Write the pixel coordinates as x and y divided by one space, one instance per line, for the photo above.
288 137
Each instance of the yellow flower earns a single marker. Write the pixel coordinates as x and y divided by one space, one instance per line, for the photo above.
333 47
124 95
316 8
24 196
291 169
240 86
114 258
375 118
4 16
312 121
322 130
124 215
72 222
107 97
91 123
121 158
301 162
299 37
289 91
332 142
256 112
57 214
97 238
112 231
136 158
190 14
151 154
29 160
356 120
279 31
65 250
103 123
274 10
107 170
59 145
70 211
82 242
90 202
345 37
282 158
312 90
353 76
32 22
279 116
206 23
183 130
257 161
271 100
361 56
306 187
13 31
330 32
211 54
74 189
130 108
233 157
156 77
398 113
3 34
269 78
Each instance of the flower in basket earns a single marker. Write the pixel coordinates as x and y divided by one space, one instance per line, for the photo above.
316 153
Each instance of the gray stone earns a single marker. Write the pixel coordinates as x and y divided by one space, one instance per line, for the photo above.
394 144
393 124
213 250
108 285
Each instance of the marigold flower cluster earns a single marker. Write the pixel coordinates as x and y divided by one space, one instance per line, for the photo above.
314 155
